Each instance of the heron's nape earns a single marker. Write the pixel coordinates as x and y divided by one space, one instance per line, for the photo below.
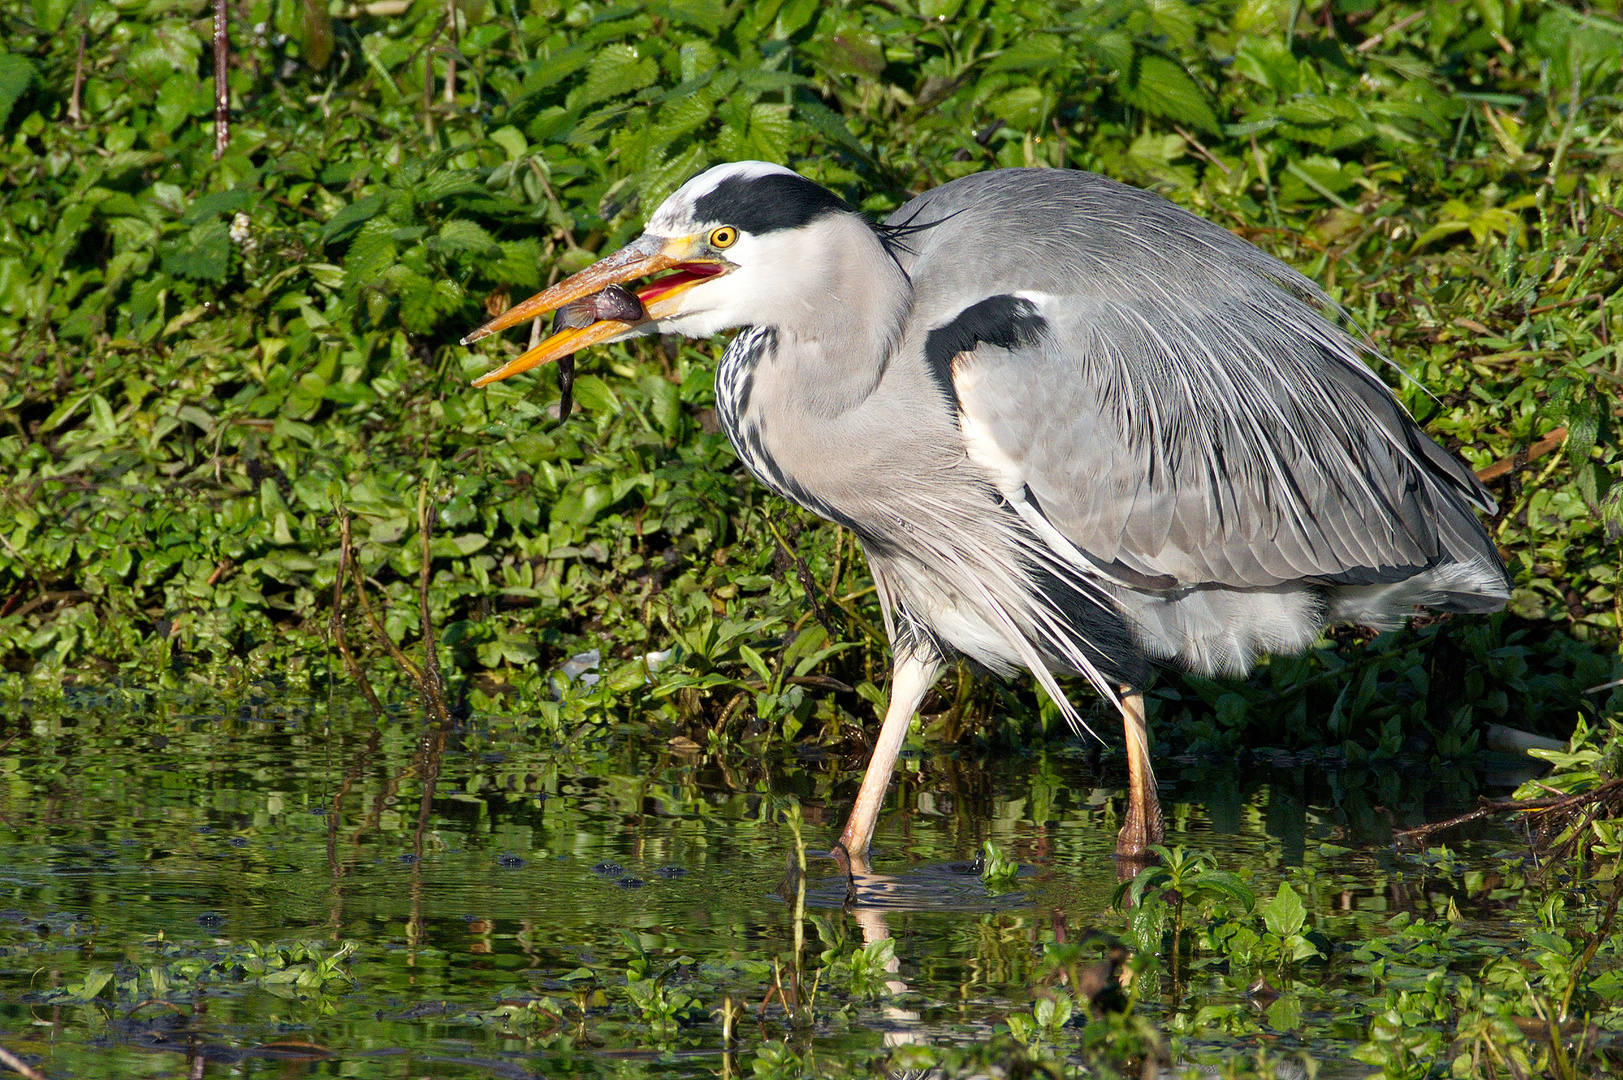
1120 436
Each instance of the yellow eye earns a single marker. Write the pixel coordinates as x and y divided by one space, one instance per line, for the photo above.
724 237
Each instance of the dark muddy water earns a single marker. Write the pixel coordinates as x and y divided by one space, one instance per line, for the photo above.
282 887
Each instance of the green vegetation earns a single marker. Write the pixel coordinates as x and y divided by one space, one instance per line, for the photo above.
207 362
208 366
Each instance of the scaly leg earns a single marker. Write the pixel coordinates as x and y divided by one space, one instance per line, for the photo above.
911 678
1144 824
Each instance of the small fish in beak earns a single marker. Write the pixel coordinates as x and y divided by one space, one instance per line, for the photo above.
615 302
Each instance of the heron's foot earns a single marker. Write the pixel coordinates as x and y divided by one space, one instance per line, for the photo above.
850 863
1144 829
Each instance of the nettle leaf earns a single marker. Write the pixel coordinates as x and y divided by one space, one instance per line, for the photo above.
215 203
17 74
660 181
711 16
520 264
1284 914
460 236
617 70
1161 87
350 217
771 131
1023 107
421 309
1043 52
203 254
443 185
1583 416
1269 62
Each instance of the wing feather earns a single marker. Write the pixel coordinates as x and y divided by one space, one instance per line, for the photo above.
1188 410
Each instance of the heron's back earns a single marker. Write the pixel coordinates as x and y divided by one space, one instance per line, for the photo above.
1178 409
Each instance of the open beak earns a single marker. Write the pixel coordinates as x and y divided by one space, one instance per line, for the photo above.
660 299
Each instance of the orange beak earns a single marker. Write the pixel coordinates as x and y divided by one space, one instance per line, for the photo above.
647 255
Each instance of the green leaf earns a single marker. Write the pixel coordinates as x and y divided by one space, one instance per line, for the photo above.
1269 62
95 982
48 14
708 15
216 203
1583 416
203 254
1163 88
17 74
520 264
1284 914
1226 885
1042 52
462 236
756 663
350 217
617 70
1023 107
593 393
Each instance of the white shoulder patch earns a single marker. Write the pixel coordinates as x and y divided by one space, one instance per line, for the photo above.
1041 300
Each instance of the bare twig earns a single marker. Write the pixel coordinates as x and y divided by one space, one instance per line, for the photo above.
1522 457
75 109
406 663
17 1064
450 58
47 598
1201 150
1398 27
338 635
804 575
1542 308
222 86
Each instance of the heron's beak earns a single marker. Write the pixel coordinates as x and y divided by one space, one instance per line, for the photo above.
661 299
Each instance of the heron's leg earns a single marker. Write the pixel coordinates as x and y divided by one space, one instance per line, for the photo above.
1144 824
911 678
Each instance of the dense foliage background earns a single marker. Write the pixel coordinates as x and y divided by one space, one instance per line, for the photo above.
206 361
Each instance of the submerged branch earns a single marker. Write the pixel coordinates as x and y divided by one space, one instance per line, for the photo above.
18 1065
1488 807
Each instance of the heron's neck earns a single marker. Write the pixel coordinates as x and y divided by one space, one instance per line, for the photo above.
835 338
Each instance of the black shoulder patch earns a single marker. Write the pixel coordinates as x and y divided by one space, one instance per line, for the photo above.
1005 321
763 204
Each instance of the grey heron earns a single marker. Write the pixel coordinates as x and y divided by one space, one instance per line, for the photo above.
1077 429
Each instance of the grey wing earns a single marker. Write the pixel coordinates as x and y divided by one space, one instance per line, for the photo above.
1168 399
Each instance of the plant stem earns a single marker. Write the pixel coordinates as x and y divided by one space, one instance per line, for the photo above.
433 686
222 89
345 560
75 110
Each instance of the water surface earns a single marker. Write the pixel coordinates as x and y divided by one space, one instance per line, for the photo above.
482 898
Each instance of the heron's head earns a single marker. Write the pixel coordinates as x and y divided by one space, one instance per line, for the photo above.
734 246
